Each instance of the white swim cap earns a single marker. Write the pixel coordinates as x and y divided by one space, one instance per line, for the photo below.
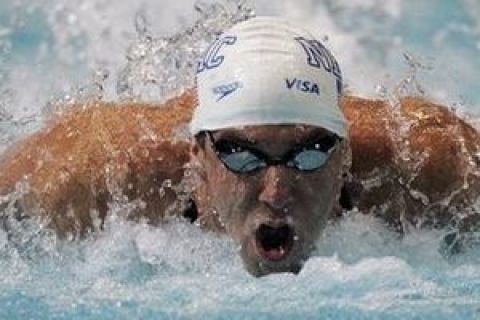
268 71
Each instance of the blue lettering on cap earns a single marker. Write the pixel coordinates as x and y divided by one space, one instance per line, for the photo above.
319 57
212 58
303 85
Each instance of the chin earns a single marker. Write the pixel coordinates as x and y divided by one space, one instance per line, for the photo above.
260 269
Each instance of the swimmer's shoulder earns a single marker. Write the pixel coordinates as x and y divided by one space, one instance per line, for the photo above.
73 163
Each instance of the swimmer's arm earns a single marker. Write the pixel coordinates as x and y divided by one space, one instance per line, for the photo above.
415 160
82 161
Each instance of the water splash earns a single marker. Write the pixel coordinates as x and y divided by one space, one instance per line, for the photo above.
79 96
399 126
410 85
158 68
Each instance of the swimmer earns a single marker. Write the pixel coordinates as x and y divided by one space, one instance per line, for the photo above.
277 151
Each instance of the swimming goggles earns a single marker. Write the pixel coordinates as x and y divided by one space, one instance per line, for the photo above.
241 158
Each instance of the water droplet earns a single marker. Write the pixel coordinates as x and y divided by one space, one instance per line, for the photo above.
381 90
167 183
141 24
72 19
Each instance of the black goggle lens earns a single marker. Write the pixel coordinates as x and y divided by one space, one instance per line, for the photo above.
309 160
242 161
245 160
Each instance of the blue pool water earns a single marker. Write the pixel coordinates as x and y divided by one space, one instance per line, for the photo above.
56 51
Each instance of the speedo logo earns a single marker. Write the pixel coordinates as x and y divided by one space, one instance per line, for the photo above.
225 90
303 85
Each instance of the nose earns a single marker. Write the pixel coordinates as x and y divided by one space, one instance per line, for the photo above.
276 189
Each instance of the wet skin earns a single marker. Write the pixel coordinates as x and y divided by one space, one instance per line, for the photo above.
71 165
276 201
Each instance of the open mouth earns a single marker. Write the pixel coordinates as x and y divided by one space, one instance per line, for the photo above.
274 243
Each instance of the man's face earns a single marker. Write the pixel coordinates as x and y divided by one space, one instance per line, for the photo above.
276 213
